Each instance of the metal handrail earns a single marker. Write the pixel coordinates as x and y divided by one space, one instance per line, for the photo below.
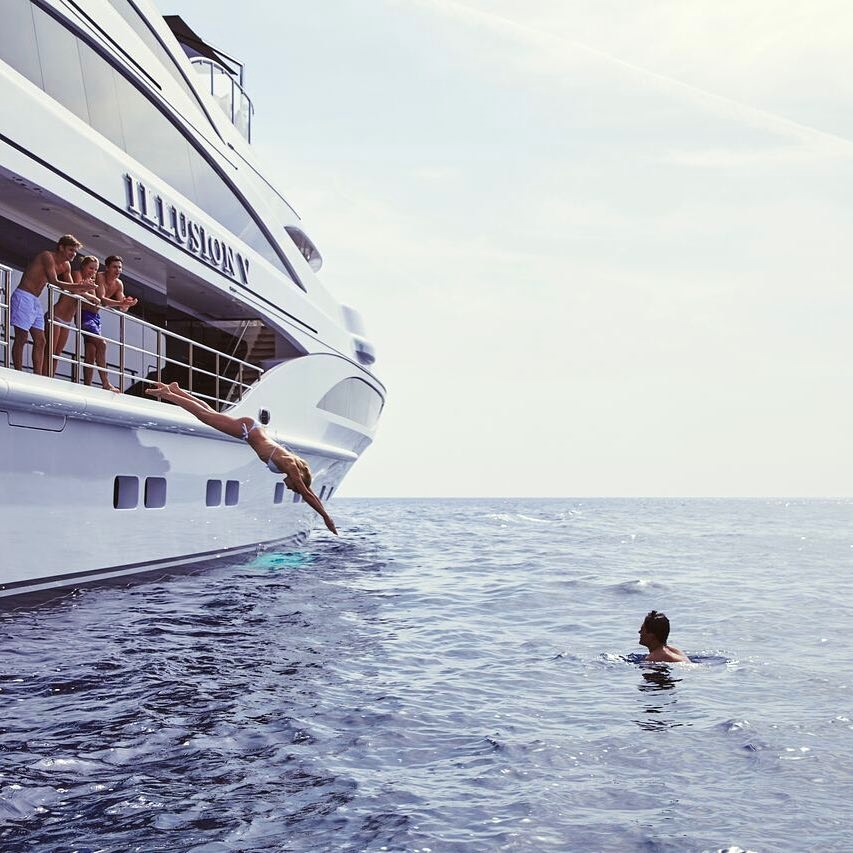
161 360
6 285
202 62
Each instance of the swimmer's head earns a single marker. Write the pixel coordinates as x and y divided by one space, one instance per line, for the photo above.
657 624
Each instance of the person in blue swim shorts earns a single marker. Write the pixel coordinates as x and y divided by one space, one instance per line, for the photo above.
25 309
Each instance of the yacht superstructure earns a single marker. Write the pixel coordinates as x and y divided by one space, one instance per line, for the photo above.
126 130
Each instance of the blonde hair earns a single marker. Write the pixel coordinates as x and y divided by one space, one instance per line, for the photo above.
89 259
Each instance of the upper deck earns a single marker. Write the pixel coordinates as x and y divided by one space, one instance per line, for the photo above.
223 75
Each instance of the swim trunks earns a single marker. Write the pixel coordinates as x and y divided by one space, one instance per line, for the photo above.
26 310
90 322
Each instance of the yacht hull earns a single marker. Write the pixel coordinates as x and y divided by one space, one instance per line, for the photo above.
99 485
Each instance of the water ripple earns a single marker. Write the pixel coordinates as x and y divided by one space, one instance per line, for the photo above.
456 675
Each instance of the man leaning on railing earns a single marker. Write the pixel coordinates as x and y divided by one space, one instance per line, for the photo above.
25 306
109 290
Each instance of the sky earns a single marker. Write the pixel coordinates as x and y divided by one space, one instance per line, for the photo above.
602 248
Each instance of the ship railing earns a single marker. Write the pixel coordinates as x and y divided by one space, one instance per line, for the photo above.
228 93
6 326
229 379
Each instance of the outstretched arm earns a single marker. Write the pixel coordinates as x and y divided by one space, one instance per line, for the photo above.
84 287
314 502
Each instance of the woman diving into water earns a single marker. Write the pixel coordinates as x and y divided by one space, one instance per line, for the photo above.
297 474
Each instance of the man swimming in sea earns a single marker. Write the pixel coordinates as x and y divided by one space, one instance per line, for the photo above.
654 632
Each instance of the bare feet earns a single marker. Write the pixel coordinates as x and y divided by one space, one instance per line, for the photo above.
158 390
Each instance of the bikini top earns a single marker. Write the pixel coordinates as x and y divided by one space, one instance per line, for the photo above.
273 467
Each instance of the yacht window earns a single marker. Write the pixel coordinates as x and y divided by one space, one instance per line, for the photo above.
126 492
53 58
306 247
213 495
232 492
63 76
150 139
155 492
19 51
278 495
353 398
100 82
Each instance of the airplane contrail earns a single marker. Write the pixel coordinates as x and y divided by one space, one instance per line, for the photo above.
749 114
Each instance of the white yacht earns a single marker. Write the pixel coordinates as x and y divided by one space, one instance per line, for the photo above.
127 130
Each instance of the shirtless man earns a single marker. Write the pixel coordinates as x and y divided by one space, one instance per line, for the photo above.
654 632
109 289
66 308
25 311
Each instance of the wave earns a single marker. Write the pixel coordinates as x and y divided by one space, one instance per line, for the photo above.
521 518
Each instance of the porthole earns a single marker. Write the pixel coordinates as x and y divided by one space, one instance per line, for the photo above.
126 492
213 494
155 492
232 492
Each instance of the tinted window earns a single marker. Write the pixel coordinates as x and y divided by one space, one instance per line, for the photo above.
126 492
102 96
63 76
155 492
353 398
213 495
152 140
18 45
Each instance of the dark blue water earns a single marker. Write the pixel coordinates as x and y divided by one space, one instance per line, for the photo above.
451 675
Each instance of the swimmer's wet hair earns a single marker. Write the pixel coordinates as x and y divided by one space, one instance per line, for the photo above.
657 624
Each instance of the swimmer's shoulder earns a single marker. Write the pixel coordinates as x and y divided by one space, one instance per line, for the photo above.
676 655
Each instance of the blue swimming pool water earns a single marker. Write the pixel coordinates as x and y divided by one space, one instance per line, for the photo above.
451 675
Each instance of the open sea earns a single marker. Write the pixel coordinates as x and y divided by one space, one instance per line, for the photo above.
451 675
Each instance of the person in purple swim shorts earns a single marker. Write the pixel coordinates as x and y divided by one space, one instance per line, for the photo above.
109 290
